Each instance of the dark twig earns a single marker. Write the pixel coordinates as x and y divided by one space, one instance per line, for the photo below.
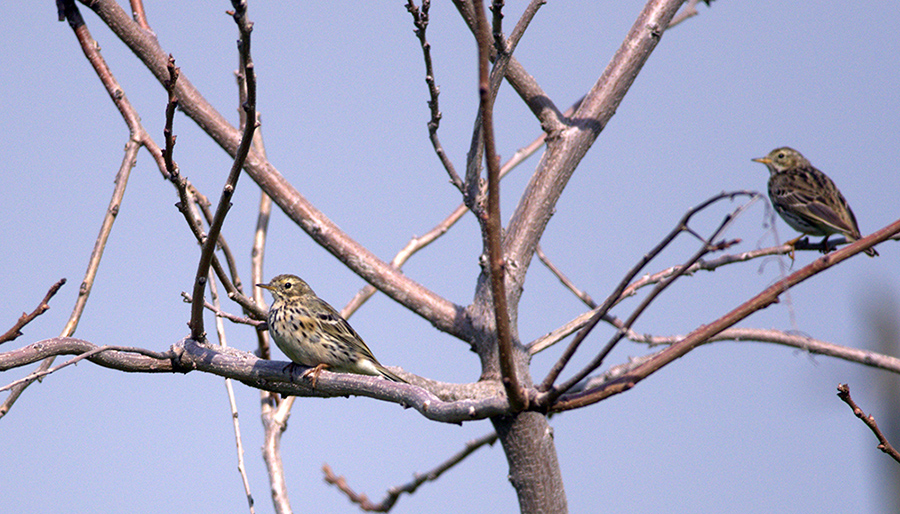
241 320
209 245
582 295
703 333
16 330
420 21
542 343
883 444
616 296
420 478
189 196
517 398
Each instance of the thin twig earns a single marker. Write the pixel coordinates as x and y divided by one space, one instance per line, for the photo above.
222 314
138 137
394 493
229 390
616 296
16 330
420 21
41 373
582 295
417 243
209 245
883 444
702 334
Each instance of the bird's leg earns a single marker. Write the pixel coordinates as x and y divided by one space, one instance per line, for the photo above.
315 373
292 366
825 248
792 243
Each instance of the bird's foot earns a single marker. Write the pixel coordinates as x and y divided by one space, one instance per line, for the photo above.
315 373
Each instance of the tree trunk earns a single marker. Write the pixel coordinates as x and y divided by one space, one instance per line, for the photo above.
527 440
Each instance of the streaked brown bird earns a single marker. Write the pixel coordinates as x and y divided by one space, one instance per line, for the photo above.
310 332
807 199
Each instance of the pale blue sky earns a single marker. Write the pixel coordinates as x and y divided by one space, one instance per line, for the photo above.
732 427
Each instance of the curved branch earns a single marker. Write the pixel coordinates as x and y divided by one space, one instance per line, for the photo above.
442 313
394 493
437 401
883 444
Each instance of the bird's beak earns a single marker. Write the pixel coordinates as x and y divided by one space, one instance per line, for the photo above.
265 286
764 160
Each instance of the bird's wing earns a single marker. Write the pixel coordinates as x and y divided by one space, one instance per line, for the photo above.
329 316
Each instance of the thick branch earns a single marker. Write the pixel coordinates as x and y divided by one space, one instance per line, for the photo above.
565 152
437 401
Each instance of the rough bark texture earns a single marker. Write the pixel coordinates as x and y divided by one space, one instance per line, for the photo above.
527 440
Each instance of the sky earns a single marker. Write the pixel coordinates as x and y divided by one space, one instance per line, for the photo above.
731 427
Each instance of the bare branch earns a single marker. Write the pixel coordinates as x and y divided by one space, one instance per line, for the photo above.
437 401
799 341
209 246
417 243
616 296
137 9
883 444
703 333
394 493
16 330
420 20
442 313
492 227
232 403
583 296
566 148
138 137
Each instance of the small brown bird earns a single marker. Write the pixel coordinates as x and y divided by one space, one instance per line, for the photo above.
807 199
310 332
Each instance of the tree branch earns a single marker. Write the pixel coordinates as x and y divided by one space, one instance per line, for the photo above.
16 330
394 493
883 444
442 313
437 401
215 227
617 295
492 227
565 152
702 334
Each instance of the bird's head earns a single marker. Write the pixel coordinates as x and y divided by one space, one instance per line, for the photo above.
284 287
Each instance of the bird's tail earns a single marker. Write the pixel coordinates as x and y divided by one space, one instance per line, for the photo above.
389 375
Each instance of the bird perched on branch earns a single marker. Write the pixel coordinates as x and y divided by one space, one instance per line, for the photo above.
310 332
807 199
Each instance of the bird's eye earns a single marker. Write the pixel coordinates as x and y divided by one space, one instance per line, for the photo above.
781 155
287 285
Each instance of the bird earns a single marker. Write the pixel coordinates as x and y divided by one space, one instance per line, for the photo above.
807 199
312 333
